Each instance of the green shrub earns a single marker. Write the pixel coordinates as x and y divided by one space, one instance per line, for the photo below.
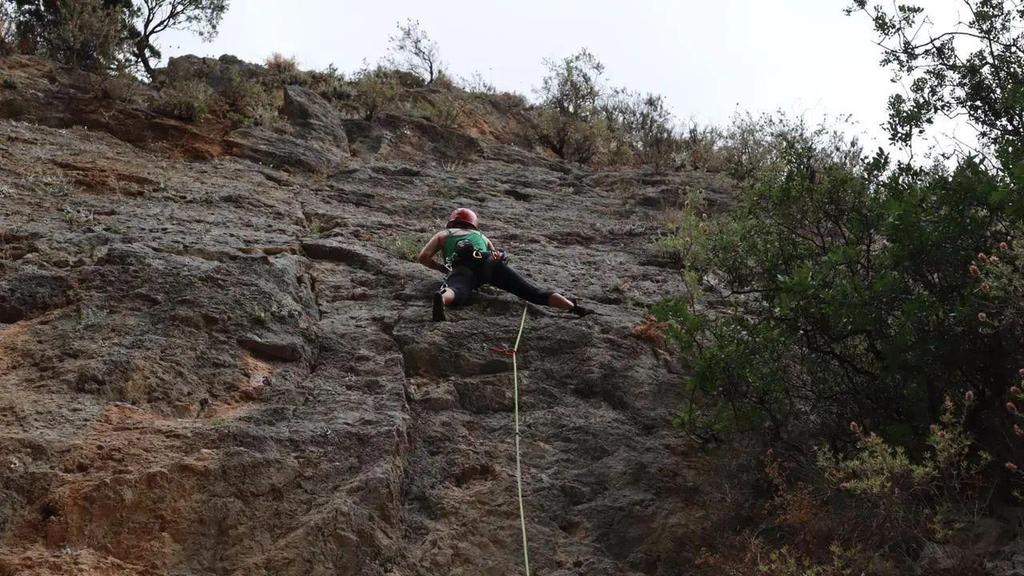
872 507
103 34
328 83
847 292
507 102
645 127
190 101
280 65
376 91
686 232
249 102
448 109
403 247
580 140
701 148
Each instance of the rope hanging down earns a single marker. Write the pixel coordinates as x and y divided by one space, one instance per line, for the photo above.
519 470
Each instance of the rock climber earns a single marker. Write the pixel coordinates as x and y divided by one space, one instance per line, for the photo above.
470 261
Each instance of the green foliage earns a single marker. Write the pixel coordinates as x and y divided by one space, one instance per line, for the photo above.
975 70
700 148
281 65
645 127
874 506
949 470
448 109
686 234
403 247
249 102
83 33
227 89
190 101
477 84
103 34
569 117
787 562
582 121
376 91
328 83
846 293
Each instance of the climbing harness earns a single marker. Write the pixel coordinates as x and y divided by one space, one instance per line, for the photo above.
519 470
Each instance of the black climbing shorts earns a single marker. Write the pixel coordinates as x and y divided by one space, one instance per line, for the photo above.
463 280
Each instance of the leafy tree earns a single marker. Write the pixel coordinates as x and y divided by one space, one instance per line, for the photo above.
413 51
153 17
572 87
86 33
107 33
846 295
974 71
570 94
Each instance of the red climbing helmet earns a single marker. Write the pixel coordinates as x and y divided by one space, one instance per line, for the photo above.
463 215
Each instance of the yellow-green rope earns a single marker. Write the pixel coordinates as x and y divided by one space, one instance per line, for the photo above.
519 471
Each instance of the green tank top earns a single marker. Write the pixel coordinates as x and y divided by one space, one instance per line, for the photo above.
478 240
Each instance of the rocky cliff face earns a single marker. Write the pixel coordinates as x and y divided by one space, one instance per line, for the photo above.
213 359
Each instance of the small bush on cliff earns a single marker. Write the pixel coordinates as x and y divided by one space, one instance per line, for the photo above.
449 109
404 247
281 65
645 126
376 91
700 148
191 101
227 89
249 102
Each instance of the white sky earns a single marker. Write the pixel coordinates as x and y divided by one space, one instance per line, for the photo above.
709 58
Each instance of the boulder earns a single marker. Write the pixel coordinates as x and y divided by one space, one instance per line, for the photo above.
314 139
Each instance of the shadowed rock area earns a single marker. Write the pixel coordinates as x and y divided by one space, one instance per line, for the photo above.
216 362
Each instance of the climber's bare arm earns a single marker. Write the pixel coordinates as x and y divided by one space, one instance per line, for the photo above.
426 256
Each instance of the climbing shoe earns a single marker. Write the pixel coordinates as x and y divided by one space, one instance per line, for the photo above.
580 310
438 307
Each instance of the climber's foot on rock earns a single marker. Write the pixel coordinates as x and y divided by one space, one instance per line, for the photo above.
580 311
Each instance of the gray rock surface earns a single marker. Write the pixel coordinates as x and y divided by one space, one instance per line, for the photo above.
231 372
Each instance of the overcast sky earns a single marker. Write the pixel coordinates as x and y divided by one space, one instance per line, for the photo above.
708 57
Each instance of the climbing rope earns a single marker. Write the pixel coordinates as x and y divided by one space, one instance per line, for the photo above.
519 470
